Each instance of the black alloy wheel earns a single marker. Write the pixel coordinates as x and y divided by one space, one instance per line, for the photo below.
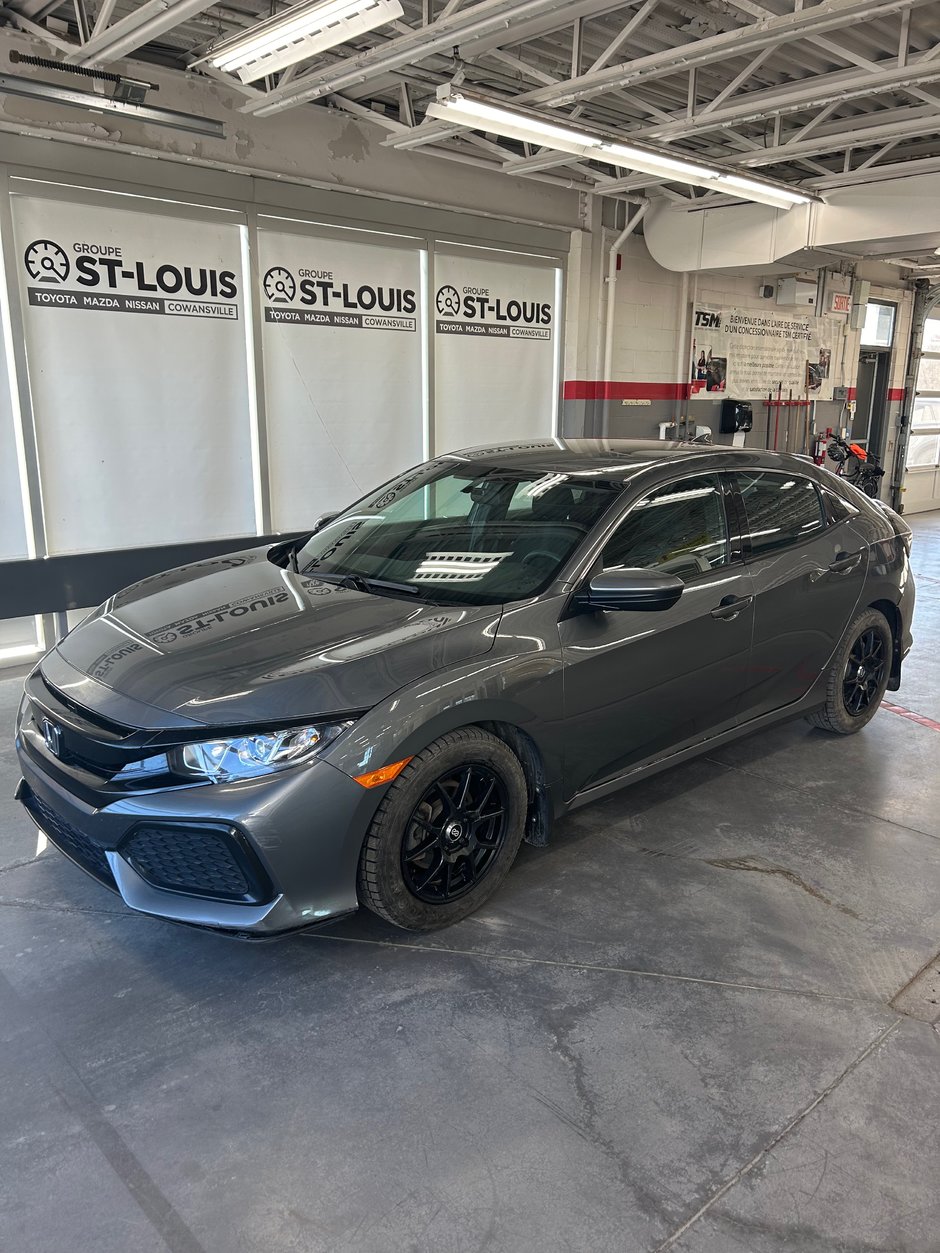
446 831
454 834
864 672
857 675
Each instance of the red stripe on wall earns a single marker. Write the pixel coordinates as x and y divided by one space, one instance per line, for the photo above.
598 389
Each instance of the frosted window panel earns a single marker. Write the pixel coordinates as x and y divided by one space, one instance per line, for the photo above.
12 509
923 450
928 374
140 393
932 334
879 325
19 637
343 375
496 335
926 411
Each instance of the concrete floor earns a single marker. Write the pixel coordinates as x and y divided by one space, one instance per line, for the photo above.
670 1030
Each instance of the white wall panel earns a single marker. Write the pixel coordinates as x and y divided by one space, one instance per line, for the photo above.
12 511
343 371
136 346
495 349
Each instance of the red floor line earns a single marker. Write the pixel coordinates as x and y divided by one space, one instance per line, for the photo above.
920 719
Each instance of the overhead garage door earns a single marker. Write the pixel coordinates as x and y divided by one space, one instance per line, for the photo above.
922 477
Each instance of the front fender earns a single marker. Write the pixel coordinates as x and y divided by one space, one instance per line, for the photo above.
524 690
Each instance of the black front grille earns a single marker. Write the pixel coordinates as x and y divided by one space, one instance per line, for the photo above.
69 839
198 861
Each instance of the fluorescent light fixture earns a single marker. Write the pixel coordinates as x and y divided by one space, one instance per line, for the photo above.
655 163
764 193
452 106
299 32
469 112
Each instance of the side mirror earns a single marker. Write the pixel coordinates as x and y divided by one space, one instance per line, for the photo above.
325 519
632 589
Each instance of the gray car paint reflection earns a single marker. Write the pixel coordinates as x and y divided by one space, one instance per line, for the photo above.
591 700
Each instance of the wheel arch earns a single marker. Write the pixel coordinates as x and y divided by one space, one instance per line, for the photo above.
541 809
893 615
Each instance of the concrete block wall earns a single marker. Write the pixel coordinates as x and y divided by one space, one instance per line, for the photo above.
652 337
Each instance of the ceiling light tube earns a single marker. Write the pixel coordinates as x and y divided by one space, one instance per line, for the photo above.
481 116
655 163
454 107
298 33
458 108
754 189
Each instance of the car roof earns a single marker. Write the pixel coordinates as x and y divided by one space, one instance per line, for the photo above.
614 458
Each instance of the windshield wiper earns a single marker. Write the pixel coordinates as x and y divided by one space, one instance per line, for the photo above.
361 583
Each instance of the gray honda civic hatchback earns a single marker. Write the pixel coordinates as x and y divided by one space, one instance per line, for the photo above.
381 711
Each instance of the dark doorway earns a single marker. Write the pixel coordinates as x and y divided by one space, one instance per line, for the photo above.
870 424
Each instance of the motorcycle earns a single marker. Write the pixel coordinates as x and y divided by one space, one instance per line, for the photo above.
856 465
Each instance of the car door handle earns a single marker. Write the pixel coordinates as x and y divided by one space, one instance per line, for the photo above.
730 606
845 562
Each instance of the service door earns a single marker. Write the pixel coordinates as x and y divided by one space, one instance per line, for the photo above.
639 683
808 574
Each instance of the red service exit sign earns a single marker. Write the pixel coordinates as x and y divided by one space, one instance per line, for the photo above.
841 302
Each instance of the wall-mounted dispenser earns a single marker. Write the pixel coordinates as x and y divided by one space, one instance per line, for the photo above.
736 415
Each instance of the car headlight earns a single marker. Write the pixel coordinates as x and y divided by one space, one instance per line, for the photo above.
248 756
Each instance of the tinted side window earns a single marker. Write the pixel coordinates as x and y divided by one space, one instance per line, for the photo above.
781 509
837 508
679 529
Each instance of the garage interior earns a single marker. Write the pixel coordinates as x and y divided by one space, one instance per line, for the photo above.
245 282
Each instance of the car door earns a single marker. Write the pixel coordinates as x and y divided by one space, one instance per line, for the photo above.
638 683
808 568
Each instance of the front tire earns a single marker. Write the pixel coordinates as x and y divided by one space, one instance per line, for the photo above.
858 676
446 833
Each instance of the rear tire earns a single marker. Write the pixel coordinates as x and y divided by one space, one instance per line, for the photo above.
446 833
858 676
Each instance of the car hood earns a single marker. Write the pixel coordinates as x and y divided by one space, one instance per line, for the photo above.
236 639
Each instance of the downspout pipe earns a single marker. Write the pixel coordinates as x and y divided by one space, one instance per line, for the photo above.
632 224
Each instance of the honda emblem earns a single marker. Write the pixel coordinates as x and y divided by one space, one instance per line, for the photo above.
52 734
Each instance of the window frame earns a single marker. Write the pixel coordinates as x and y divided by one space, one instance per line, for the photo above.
826 520
734 552
890 304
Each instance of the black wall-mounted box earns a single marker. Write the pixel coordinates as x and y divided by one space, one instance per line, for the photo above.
736 415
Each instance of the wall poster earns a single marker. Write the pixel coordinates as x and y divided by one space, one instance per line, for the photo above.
748 353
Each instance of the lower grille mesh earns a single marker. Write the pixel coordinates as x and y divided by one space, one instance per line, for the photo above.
201 862
70 840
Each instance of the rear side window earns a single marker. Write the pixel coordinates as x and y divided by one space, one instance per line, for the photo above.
679 529
782 509
837 508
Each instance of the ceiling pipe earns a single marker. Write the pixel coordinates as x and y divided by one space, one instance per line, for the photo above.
632 224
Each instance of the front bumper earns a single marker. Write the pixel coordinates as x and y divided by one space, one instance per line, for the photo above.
292 840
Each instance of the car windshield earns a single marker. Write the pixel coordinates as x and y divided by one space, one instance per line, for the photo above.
465 534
